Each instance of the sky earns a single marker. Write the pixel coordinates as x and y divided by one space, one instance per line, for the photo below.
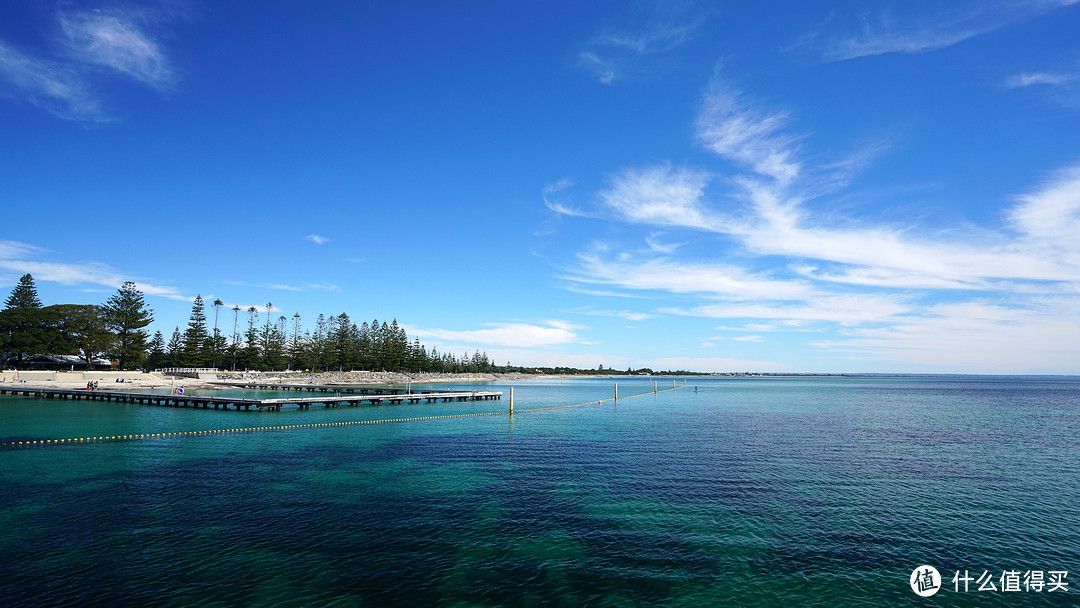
826 187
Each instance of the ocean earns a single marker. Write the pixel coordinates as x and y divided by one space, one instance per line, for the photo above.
747 491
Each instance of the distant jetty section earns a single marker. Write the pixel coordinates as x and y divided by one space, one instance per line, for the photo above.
331 400
331 388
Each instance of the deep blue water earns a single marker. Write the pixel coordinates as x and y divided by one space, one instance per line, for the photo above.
740 491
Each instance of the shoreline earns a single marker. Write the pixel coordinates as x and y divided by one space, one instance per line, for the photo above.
135 381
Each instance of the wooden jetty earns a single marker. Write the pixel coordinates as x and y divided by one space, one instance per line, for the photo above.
246 404
348 389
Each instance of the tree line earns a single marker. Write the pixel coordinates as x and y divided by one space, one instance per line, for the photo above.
335 343
115 329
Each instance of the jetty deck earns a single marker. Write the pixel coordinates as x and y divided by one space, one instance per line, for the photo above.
249 404
348 389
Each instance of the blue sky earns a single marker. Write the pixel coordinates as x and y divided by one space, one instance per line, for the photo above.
754 186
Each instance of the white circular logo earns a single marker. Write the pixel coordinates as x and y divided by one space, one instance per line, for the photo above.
925 581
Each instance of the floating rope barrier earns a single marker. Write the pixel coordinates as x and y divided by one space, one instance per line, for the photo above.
289 427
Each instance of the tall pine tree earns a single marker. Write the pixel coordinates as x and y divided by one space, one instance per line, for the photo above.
127 316
174 351
22 326
196 337
155 358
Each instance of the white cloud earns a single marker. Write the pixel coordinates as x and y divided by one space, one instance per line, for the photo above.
287 287
889 271
523 335
712 279
843 309
891 278
948 24
660 195
867 278
317 239
655 245
20 258
604 293
772 326
111 39
527 357
63 77
733 129
605 70
1027 80
621 314
752 338
16 250
49 85
879 283
714 364
653 28
657 38
1051 215
560 207
777 223
976 337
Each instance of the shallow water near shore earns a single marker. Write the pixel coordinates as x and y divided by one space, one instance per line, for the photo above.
814 491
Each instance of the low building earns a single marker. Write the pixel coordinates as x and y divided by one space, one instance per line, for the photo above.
63 362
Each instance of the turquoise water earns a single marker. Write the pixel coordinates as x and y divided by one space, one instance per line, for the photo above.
742 491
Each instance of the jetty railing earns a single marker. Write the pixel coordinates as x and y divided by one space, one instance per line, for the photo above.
190 372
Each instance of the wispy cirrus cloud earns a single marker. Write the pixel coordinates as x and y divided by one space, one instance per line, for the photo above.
65 75
897 292
975 337
750 338
112 39
620 314
549 193
661 274
653 28
49 85
1060 87
287 287
21 258
774 220
520 335
659 195
775 223
901 28
1049 219
734 129
317 239
711 364
658 246
1018 81
788 248
840 309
